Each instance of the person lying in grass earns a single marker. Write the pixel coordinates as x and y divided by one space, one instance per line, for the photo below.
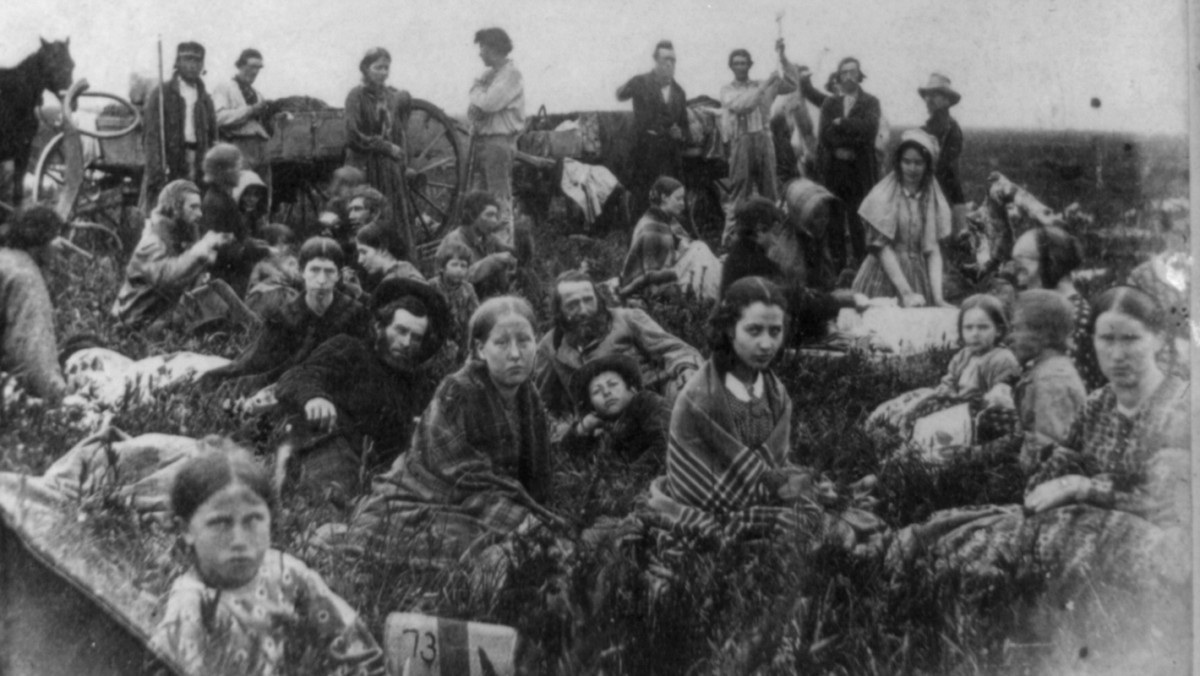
981 373
618 418
244 607
728 474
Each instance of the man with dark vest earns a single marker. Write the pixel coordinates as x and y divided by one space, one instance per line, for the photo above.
179 113
661 123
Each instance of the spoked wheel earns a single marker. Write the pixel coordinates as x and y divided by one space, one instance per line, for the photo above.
436 171
102 205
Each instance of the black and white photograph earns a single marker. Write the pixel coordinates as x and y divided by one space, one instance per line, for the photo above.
597 338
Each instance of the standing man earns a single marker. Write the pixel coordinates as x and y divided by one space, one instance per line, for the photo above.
939 97
180 113
846 160
661 123
497 116
243 113
745 110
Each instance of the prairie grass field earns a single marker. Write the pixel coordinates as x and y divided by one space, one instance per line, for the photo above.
651 607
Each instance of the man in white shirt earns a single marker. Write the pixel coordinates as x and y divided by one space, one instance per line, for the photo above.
243 113
497 116
745 113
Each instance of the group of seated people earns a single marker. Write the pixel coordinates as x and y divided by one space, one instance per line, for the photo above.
1075 391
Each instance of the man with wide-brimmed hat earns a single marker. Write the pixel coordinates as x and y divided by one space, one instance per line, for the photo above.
352 392
179 125
939 97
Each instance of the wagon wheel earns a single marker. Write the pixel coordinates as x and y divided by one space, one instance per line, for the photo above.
436 171
95 203
100 209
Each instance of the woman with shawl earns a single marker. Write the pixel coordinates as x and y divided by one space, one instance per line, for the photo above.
728 476
662 254
909 217
479 465
375 119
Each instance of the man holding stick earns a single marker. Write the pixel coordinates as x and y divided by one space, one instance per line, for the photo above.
179 125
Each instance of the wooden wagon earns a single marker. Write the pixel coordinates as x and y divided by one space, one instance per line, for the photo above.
93 171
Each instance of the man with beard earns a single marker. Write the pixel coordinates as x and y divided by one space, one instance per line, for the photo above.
243 115
586 329
180 113
352 396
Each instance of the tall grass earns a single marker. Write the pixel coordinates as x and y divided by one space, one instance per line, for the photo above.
643 605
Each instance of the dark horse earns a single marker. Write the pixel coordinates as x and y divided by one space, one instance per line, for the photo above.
50 68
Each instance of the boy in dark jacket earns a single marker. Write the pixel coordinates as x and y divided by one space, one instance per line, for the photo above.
617 417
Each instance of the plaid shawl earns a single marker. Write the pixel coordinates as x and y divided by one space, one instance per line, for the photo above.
715 485
469 478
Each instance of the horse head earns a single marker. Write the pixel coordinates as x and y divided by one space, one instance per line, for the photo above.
56 65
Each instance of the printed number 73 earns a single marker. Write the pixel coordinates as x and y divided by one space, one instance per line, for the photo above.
429 654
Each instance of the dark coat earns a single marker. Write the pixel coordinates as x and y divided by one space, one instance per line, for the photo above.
856 133
372 398
637 436
205 119
292 332
235 260
652 115
950 141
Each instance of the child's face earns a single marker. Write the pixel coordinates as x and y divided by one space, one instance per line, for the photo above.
1024 341
609 394
758 335
230 534
978 330
456 271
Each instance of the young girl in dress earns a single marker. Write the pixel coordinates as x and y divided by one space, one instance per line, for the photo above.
981 372
243 607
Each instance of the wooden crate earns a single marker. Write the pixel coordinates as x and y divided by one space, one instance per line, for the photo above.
124 151
307 137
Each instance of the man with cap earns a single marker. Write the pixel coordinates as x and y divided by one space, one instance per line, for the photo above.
179 113
242 112
939 98
745 113
352 394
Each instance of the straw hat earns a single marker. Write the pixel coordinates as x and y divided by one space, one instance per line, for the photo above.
940 84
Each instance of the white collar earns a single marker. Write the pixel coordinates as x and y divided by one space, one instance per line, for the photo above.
738 389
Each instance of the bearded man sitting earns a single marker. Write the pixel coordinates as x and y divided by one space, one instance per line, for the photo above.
586 329
352 394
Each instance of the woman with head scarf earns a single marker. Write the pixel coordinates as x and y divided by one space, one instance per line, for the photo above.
909 217
375 134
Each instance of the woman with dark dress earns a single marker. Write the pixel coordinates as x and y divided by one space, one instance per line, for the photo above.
291 333
375 119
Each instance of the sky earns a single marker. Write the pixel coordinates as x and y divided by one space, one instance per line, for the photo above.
1017 63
